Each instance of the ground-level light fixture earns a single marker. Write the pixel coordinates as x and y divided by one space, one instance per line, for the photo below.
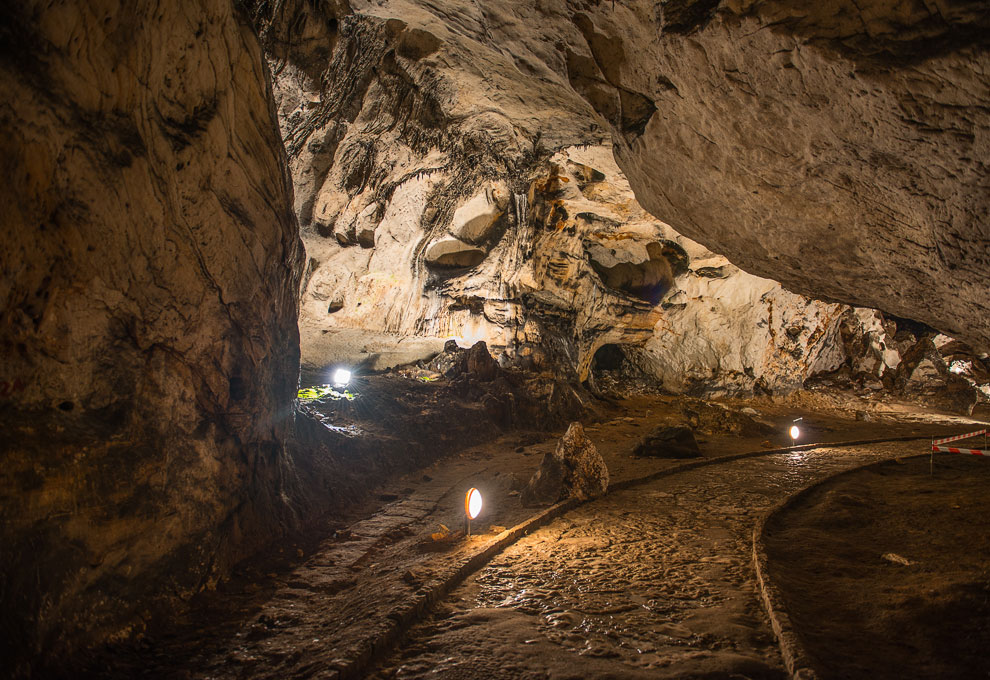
341 377
472 506
795 430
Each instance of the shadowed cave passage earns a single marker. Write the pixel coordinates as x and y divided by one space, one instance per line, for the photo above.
752 214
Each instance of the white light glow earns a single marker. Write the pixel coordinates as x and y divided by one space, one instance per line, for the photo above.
795 432
341 376
472 503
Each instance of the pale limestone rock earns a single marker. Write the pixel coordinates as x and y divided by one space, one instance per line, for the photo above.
473 221
451 251
365 226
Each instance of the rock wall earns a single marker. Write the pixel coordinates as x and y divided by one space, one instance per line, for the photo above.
839 147
836 148
150 260
472 229
424 141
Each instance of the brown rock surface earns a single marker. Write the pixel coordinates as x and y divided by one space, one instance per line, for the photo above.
150 353
575 469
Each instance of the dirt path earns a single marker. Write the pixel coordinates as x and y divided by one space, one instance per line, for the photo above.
860 615
650 582
323 607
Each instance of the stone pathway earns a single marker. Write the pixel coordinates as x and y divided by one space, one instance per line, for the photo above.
654 581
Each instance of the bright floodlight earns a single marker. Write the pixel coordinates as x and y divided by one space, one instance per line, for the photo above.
472 503
795 432
341 376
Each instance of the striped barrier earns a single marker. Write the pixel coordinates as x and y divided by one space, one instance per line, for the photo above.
957 437
952 449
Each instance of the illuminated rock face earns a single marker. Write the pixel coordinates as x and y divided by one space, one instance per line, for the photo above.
491 223
150 263
836 147
475 117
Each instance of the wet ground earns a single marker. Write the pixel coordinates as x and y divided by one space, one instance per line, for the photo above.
655 581
885 574
669 587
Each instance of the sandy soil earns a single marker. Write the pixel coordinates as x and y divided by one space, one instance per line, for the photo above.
863 616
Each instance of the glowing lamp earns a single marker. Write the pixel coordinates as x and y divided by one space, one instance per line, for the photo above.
472 503
341 377
472 506
795 432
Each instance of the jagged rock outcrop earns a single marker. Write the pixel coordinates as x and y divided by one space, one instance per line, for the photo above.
575 469
836 147
910 360
150 262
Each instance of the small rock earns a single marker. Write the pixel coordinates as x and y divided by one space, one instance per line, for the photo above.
864 416
897 559
668 442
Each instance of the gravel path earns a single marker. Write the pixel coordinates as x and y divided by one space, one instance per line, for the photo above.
654 582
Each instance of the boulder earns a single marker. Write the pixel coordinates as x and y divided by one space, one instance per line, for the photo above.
574 470
668 442
454 361
479 362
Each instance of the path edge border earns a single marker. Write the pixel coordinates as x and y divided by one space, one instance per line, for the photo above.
401 619
796 659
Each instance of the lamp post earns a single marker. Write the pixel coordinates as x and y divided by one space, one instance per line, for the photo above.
795 431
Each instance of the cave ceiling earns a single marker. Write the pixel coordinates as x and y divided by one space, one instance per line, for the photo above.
839 148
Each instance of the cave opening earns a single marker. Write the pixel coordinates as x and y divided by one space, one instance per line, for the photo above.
609 358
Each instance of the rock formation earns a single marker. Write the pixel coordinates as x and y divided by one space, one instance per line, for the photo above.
765 129
500 215
668 442
150 263
575 469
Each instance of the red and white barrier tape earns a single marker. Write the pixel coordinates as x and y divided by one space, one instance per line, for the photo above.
952 449
956 438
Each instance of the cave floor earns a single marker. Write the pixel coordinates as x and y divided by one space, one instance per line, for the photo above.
665 561
886 568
